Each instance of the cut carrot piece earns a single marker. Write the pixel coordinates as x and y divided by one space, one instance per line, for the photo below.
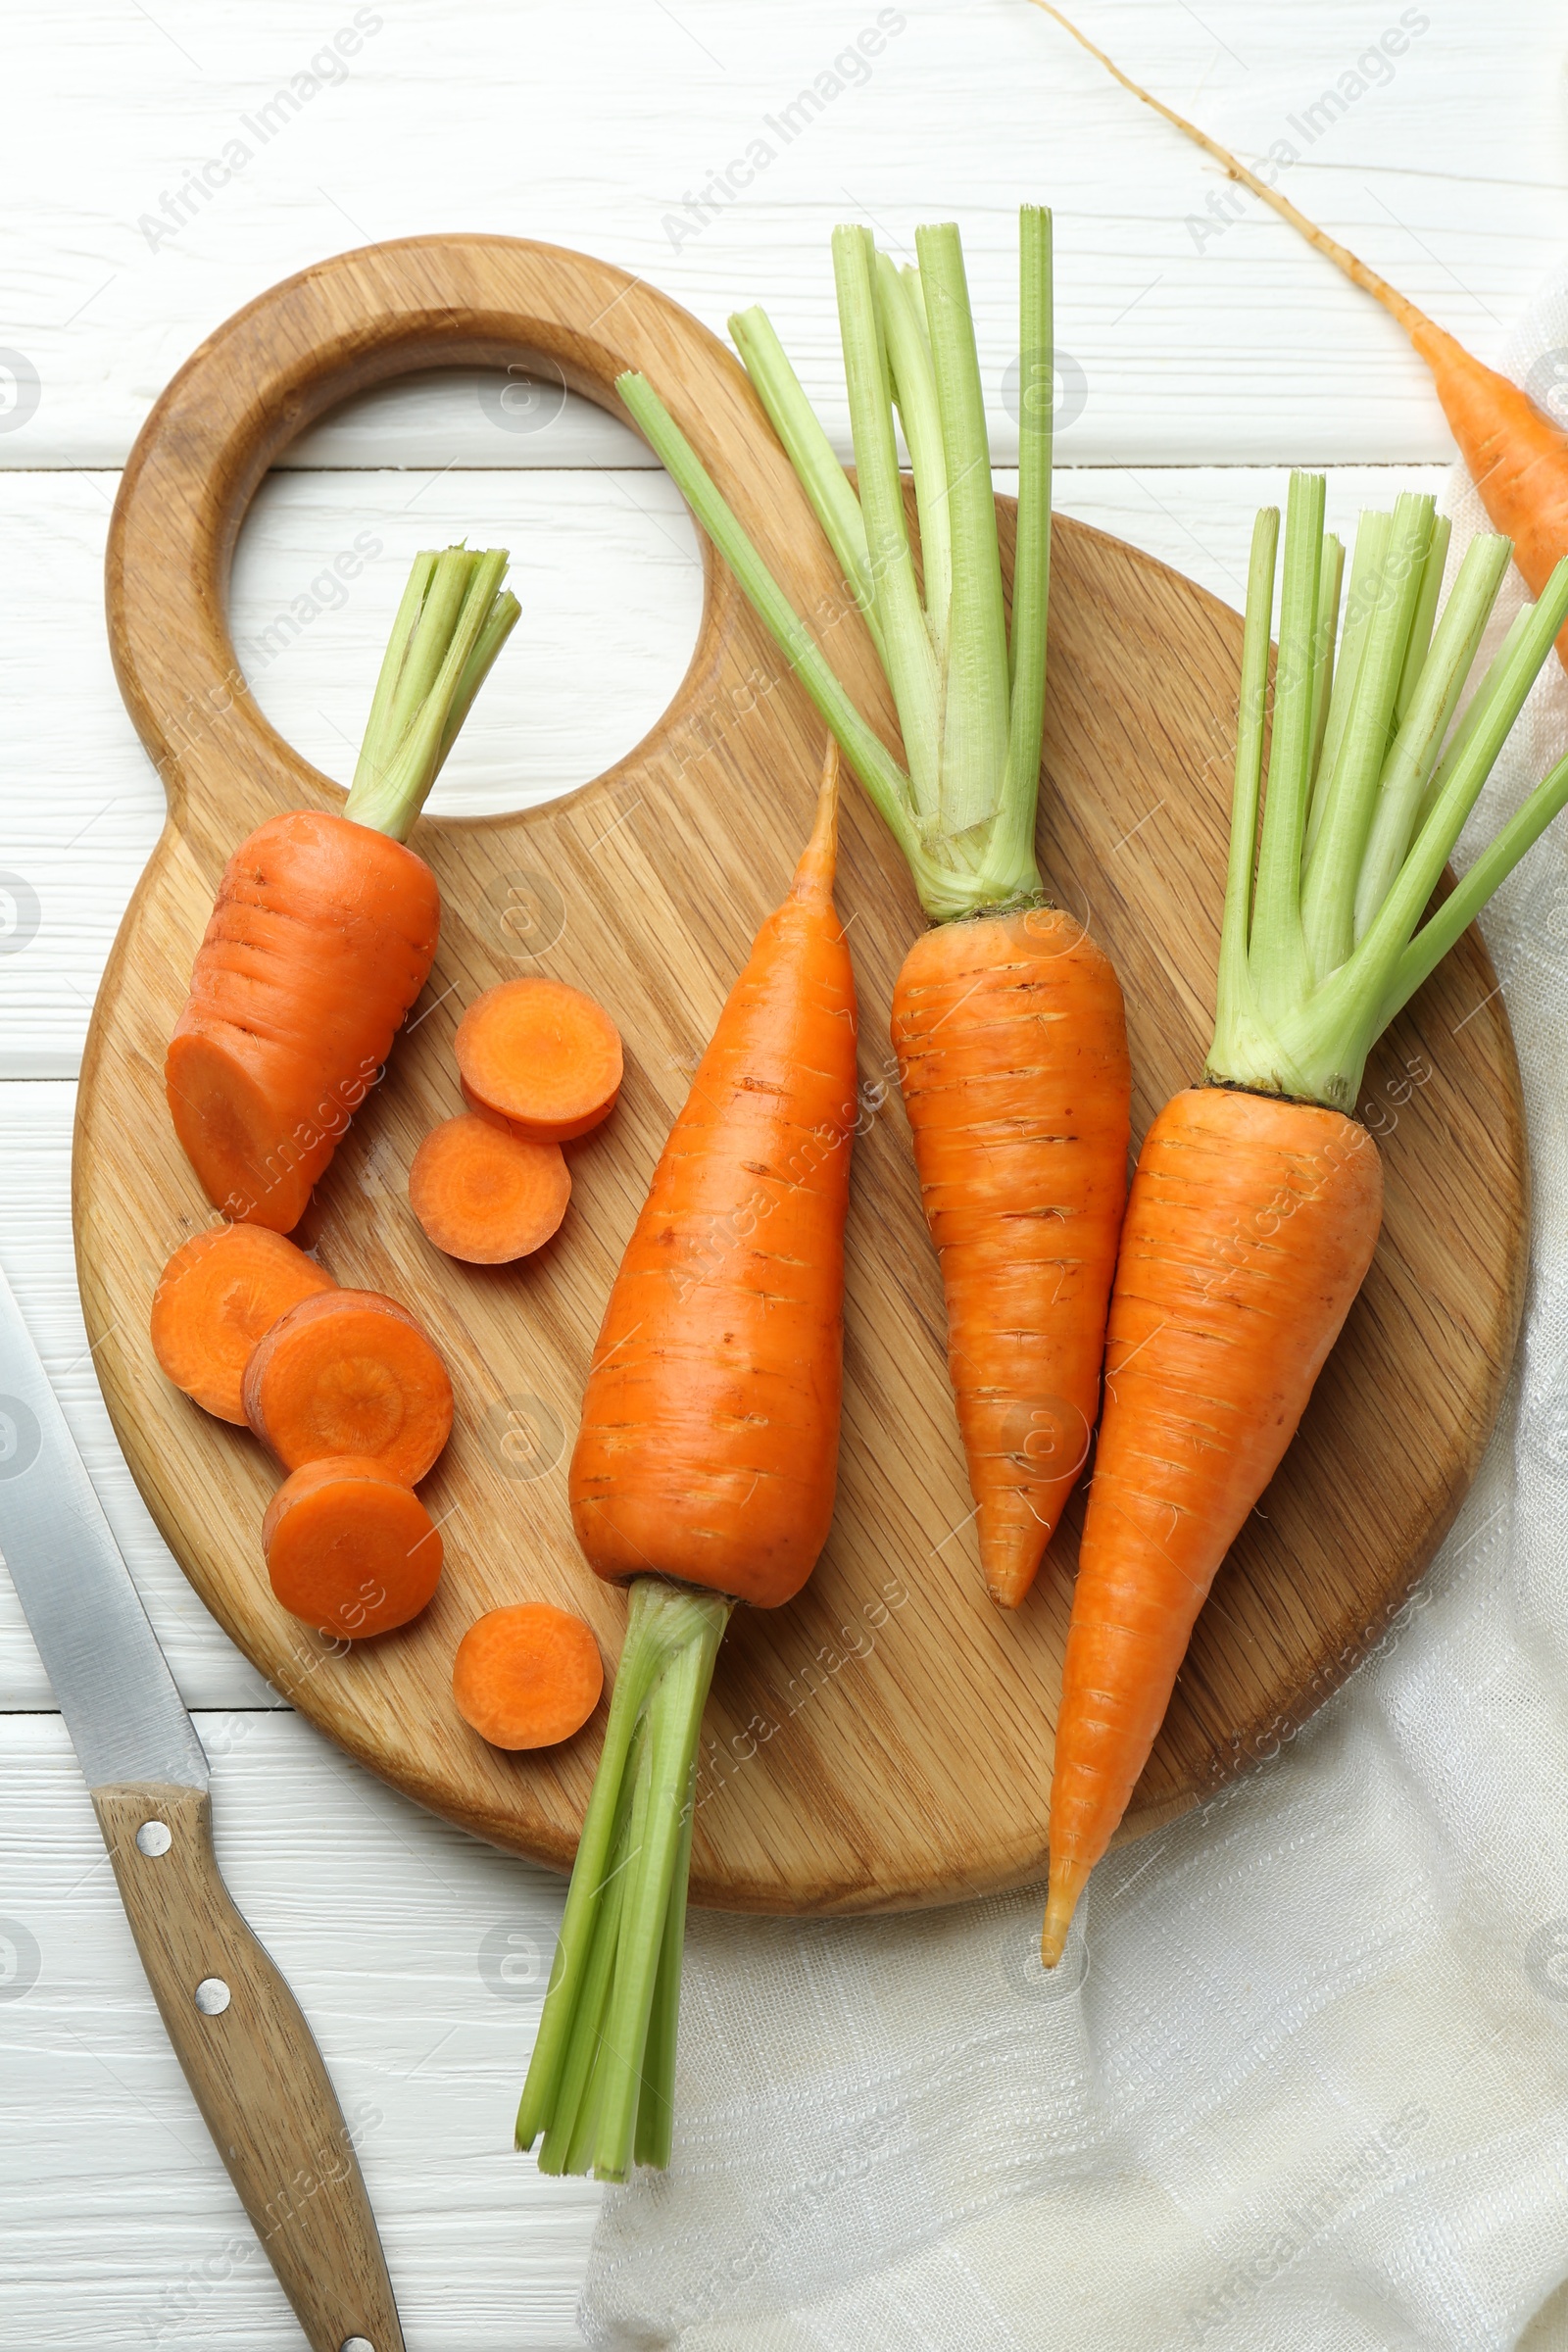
350 1547
350 1372
544 1055
215 1300
325 925
485 1194
528 1676
322 935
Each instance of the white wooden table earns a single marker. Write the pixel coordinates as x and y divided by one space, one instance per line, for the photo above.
162 165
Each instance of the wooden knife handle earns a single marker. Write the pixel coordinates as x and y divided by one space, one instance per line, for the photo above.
250 2058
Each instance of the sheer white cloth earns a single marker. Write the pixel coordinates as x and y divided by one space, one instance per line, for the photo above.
1303 2083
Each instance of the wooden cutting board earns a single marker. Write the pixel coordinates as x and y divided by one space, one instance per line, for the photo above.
886 1741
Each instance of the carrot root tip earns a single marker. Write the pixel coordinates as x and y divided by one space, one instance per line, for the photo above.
1067 1883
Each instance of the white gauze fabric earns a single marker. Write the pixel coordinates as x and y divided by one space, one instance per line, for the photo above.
1300 2084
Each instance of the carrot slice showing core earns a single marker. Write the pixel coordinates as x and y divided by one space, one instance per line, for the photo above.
485 1194
544 1055
350 1547
215 1297
350 1372
527 1676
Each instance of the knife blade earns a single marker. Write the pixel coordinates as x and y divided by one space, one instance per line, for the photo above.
247 2052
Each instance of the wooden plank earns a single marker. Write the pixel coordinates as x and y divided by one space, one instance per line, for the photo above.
419 1959
1240 345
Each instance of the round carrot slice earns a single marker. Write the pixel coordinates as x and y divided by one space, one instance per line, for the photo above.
350 1547
483 1193
350 1372
215 1300
544 1055
527 1676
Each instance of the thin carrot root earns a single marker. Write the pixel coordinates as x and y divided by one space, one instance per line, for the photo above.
543 1055
1250 1230
1012 1048
350 1547
528 1676
1515 454
350 1372
322 935
217 1296
482 1192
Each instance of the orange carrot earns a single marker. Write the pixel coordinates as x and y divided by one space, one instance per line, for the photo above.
527 1676
215 1297
1256 1206
1012 1055
1516 456
707 1456
708 1447
350 1372
1008 1022
486 1195
1250 1230
325 926
323 936
542 1056
350 1547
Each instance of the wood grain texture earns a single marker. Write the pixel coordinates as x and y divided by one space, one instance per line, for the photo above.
253 2066
1220 342
885 1741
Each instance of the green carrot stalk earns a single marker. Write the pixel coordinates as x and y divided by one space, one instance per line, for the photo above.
810 452
1426 613
1331 579
453 618
601 2078
1328 893
1447 662
970 695
912 372
908 653
1282 965
1360 605
1393 811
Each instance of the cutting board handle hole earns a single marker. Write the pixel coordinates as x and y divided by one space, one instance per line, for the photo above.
604 561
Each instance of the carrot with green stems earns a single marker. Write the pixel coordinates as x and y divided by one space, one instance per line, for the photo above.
1007 1019
704 1474
325 926
1256 1200
1517 456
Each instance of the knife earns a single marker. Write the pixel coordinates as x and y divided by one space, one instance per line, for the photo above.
248 2054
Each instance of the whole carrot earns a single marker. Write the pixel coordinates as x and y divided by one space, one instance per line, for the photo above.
704 1474
1008 1019
1516 456
1256 1205
325 926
